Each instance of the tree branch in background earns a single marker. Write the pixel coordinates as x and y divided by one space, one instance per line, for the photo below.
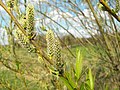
109 10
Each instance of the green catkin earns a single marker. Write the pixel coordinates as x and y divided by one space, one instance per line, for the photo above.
54 51
21 38
27 21
57 51
30 20
50 43
57 56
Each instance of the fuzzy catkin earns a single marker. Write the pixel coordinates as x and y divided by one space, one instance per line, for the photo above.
54 51
57 57
50 43
21 38
30 20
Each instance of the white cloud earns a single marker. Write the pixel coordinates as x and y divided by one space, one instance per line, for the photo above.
60 14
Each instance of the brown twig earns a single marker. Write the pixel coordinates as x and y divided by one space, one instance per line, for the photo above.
109 9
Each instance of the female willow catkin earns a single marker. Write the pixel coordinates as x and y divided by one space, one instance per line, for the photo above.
30 26
21 38
30 20
57 51
54 51
57 57
50 43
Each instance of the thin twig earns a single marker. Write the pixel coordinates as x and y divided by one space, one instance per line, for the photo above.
109 10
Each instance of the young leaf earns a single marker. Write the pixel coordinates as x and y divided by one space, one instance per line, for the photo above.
91 80
82 86
66 82
71 81
106 87
78 68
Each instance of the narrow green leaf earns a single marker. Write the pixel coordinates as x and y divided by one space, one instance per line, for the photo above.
78 68
91 80
82 86
87 86
106 87
66 82
71 81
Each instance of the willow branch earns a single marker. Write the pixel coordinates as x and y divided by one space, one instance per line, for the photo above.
109 9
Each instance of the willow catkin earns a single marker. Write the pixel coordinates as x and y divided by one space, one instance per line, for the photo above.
54 51
57 57
50 43
30 20
21 38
